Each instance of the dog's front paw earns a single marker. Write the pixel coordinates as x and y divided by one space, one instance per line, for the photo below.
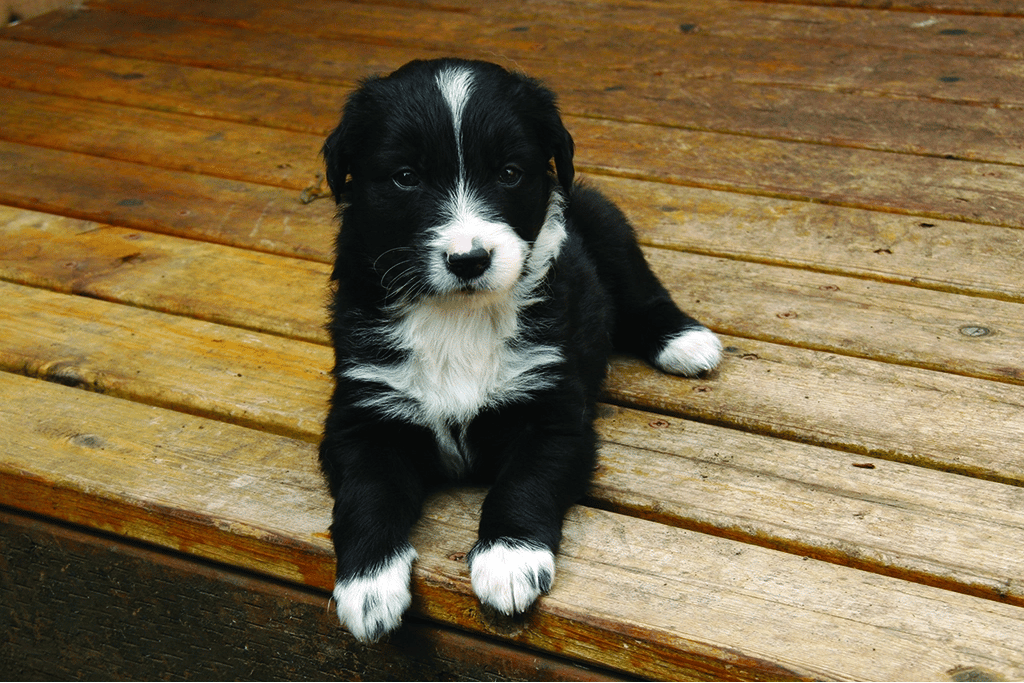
691 352
509 574
371 605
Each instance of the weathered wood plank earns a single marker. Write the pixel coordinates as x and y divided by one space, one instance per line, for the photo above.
239 496
957 257
910 326
131 195
934 419
881 516
914 126
713 599
268 382
926 418
954 78
757 617
182 277
227 285
1000 8
539 23
278 103
906 325
927 186
69 598
949 256
191 144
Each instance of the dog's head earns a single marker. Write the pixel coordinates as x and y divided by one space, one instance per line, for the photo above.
444 170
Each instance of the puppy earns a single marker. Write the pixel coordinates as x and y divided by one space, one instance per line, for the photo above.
478 295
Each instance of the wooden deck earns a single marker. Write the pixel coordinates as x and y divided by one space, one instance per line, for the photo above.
835 187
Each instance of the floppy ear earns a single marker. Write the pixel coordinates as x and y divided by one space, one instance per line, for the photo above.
557 139
543 109
340 148
563 149
335 153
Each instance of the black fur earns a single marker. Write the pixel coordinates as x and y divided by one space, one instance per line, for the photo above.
393 164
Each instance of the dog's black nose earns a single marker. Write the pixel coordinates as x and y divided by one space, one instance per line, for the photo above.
470 264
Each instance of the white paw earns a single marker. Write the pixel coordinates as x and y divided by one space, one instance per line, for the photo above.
372 605
511 574
692 352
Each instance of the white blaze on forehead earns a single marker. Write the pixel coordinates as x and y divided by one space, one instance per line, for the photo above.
470 221
456 85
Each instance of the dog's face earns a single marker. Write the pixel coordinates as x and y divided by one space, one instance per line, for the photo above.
445 172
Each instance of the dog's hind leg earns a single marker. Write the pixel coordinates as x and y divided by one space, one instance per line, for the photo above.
647 321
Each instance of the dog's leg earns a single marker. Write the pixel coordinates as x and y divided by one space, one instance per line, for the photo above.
378 496
647 321
513 562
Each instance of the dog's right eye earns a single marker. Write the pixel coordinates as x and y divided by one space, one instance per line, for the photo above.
406 178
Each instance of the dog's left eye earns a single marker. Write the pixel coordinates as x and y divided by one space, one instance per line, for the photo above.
510 176
406 178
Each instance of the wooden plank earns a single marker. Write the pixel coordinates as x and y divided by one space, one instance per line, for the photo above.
620 579
880 516
131 195
159 598
536 23
247 378
181 277
191 144
899 413
949 256
198 45
278 103
226 285
926 418
673 60
905 325
999 8
764 491
912 126
724 593
926 186
910 326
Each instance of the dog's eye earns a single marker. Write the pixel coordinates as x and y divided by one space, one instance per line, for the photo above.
510 176
406 178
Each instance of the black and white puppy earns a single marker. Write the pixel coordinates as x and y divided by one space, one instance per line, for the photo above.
479 292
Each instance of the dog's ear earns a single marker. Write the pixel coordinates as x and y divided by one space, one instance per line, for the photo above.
341 147
336 160
543 108
563 149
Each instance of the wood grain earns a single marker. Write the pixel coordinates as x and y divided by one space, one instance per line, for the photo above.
226 285
197 145
752 602
926 418
834 189
103 591
125 194
248 378
851 316
676 58
837 117
877 515
949 256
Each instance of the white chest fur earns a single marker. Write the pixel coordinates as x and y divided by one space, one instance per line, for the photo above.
465 354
